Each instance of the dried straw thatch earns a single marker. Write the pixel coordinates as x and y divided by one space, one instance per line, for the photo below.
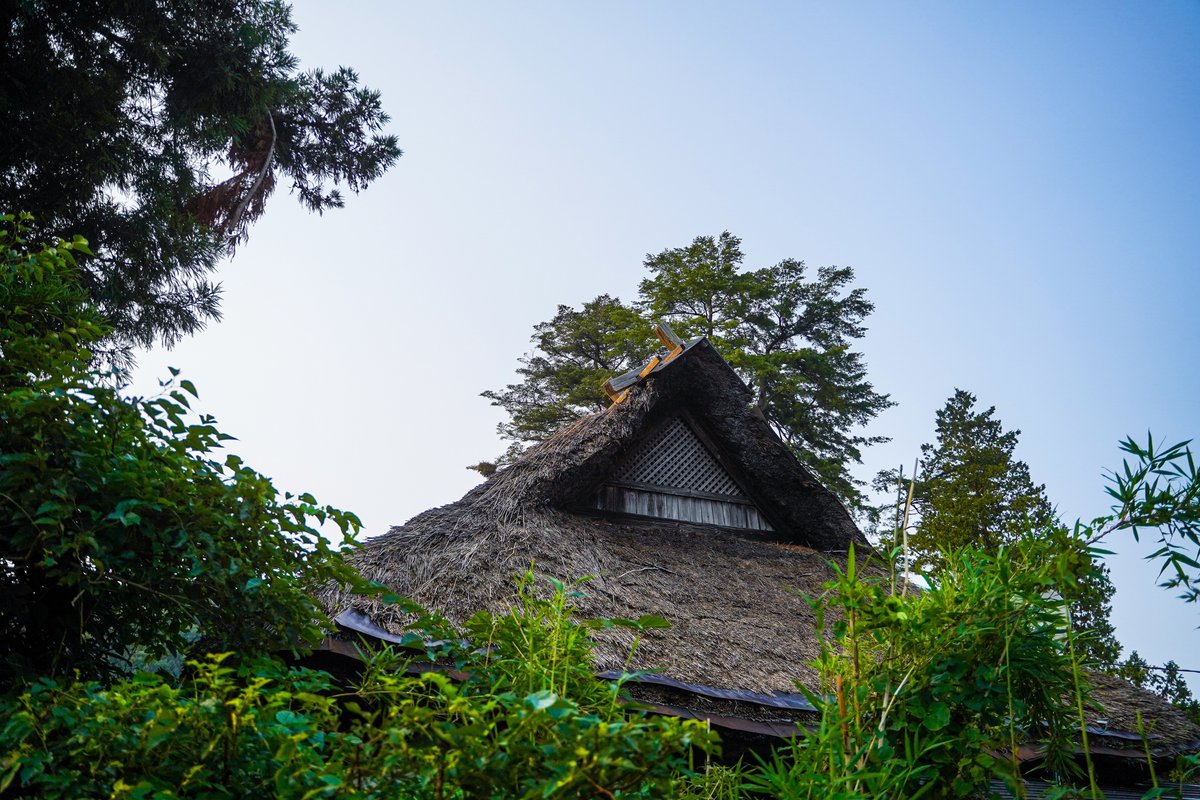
1114 725
736 620
741 633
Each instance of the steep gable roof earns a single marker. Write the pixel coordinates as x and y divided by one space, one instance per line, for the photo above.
566 470
742 634
732 597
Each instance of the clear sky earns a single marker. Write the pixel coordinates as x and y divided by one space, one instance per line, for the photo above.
1017 185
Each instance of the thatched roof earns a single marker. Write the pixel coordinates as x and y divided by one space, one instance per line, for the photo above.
1114 725
741 633
737 623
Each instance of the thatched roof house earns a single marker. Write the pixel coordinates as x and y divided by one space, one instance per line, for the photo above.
679 501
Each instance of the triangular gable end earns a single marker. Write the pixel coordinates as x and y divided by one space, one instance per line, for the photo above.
672 474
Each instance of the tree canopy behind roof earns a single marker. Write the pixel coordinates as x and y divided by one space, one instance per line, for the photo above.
121 120
972 492
787 333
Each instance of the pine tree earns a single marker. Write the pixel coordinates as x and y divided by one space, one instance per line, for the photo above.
1090 601
973 492
118 116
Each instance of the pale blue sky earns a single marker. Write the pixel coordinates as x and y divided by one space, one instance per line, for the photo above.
1017 185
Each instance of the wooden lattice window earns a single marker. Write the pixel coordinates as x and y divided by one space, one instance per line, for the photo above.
673 475
675 458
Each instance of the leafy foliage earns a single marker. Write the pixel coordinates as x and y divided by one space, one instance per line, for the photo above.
715 782
502 726
699 288
150 102
787 335
122 523
924 691
1090 599
1158 491
973 492
561 378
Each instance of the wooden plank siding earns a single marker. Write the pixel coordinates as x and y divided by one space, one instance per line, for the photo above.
664 505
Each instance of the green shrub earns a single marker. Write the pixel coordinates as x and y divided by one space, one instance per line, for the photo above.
123 523
503 727
924 691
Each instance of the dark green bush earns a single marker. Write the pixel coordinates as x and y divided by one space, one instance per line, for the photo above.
925 691
122 521
503 729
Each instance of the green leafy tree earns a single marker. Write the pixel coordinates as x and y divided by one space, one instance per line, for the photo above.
561 378
119 120
1166 681
787 335
973 492
1136 670
700 289
1171 686
123 524
1090 598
